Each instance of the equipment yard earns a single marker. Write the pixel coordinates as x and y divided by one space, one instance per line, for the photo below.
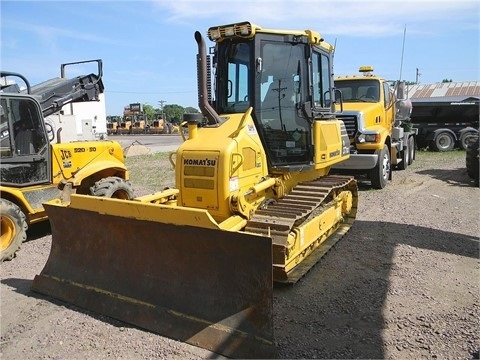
402 283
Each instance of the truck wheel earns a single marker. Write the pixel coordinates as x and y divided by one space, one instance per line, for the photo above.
464 139
112 187
13 229
380 174
444 141
411 149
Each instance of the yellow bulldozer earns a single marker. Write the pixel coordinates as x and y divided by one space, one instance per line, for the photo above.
34 160
253 203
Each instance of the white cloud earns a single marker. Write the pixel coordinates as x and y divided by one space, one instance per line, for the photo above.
354 18
49 34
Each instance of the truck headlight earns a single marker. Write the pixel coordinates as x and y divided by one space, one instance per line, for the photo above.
363 138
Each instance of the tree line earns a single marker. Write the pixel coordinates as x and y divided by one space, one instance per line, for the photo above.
172 113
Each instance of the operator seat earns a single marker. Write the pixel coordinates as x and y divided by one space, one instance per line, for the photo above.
24 137
24 142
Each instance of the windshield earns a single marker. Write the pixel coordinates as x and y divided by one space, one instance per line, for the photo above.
359 90
282 84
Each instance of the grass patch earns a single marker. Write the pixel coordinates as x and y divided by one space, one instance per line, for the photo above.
153 171
427 157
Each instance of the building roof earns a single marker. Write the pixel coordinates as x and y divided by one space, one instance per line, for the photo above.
454 91
447 101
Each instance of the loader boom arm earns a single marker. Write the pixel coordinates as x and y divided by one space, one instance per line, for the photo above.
53 94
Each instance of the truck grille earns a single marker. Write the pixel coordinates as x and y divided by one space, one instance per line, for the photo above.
350 122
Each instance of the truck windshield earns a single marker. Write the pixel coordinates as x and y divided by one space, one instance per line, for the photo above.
359 90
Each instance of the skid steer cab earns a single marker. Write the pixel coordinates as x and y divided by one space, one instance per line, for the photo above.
34 171
253 202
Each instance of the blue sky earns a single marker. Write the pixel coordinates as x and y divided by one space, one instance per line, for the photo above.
148 49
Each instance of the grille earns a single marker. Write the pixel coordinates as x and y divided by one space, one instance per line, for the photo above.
350 122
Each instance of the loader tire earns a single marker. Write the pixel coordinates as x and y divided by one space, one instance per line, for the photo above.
472 159
13 229
113 187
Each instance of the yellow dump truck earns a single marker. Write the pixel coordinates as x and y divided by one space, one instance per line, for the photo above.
376 113
254 202
35 162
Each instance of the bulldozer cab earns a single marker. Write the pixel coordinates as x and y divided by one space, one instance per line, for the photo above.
271 73
24 143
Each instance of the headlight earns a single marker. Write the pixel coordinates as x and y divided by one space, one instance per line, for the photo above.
372 138
244 29
214 34
229 31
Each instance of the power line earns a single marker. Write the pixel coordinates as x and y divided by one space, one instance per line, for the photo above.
149 93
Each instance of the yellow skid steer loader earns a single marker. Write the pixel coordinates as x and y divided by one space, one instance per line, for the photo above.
254 202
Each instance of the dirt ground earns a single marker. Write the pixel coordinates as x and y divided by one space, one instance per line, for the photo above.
403 283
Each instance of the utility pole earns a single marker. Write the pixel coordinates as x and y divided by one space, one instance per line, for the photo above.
161 102
417 76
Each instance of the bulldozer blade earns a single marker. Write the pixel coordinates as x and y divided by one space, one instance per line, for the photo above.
207 287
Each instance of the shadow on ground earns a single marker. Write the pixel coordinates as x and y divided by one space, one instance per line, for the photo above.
335 311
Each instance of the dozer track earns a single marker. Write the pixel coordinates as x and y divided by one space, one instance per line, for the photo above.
298 218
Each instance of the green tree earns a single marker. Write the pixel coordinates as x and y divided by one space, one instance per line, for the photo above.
446 81
149 111
191 110
174 113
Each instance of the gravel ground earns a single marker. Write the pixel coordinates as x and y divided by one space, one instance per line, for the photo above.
402 284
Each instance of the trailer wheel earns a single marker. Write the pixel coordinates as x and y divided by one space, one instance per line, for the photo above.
13 227
112 187
380 174
464 139
411 149
443 141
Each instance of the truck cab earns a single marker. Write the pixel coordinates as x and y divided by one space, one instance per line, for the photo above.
376 116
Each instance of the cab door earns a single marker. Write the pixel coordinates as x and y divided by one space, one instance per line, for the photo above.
388 104
25 149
